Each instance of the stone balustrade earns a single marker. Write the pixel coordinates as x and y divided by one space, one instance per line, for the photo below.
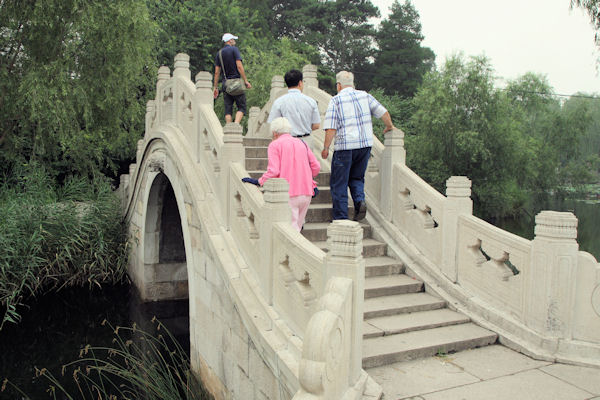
542 296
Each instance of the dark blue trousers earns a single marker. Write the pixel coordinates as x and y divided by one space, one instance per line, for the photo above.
348 171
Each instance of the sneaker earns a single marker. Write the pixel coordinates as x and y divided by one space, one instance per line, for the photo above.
360 210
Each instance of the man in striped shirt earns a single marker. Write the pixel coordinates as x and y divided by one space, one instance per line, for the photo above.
348 119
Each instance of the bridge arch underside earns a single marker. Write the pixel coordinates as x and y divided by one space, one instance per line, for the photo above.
161 248
165 262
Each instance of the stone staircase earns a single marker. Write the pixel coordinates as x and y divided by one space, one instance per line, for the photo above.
401 320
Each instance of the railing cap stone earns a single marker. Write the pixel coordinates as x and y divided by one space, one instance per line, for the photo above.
556 225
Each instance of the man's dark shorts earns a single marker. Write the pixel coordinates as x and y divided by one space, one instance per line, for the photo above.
239 100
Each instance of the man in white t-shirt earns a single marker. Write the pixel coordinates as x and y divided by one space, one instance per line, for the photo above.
300 110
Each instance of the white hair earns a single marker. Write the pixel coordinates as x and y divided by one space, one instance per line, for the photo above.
345 78
281 125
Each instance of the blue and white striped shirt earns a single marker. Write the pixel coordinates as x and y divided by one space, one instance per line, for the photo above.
349 113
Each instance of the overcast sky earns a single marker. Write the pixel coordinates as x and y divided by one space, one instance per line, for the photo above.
518 36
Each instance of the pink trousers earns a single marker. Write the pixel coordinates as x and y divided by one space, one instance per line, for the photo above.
299 206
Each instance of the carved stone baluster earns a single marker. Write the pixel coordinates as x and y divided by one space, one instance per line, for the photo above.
393 152
458 201
276 209
253 121
232 151
277 84
182 66
309 74
552 275
344 259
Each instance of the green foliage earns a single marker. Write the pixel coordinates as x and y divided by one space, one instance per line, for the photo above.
73 75
465 127
139 365
401 61
339 29
52 238
401 110
512 143
195 27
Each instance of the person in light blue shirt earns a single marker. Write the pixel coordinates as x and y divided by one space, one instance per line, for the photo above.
348 119
299 109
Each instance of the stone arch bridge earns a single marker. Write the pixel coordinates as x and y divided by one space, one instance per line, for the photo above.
275 314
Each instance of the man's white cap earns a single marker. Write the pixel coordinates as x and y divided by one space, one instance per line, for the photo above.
228 36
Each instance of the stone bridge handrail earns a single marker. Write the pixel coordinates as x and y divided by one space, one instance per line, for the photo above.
476 262
542 296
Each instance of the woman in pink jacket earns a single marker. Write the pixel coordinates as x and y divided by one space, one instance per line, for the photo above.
290 158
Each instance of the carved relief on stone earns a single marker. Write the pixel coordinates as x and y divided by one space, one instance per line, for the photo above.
297 280
156 163
406 202
215 161
243 211
167 95
497 257
205 139
186 107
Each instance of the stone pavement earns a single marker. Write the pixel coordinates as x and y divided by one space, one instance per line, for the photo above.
488 373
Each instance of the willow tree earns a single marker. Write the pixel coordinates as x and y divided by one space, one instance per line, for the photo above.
73 77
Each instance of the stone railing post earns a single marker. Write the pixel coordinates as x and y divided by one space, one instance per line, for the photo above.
204 92
309 74
140 151
276 209
253 121
232 151
150 116
393 152
132 168
551 280
182 66
164 74
124 191
344 259
458 202
277 84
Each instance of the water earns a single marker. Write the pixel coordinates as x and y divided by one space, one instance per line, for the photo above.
57 326
586 211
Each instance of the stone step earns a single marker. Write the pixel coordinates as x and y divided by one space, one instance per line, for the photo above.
324 196
371 247
256 152
378 286
317 231
401 304
318 212
256 164
381 266
385 350
256 142
417 321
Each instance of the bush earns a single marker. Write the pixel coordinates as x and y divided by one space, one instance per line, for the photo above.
51 238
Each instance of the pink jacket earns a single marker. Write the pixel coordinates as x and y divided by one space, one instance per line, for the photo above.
290 158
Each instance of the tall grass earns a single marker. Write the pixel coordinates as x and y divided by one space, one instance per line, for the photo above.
53 237
139 365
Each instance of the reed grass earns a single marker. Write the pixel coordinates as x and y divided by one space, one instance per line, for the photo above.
54 237
139 365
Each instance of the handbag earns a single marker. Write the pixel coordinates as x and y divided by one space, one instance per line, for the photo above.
233 87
